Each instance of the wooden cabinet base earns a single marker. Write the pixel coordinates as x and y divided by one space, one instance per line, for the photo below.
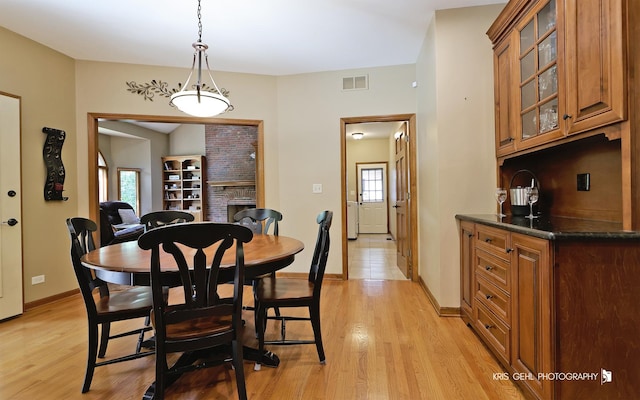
597 324
567 326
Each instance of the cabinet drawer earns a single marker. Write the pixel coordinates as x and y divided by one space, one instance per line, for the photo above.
496 334
495 299
495 270
494 241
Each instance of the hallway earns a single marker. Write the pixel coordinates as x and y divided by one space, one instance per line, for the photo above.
373 256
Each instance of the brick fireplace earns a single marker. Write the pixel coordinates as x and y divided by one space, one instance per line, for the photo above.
236 204
228 201
231 169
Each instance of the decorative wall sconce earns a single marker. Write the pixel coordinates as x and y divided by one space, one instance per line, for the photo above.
51 152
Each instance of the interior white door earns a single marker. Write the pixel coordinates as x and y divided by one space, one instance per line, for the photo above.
11 302
372 191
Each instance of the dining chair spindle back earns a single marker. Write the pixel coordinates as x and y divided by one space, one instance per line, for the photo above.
259 220
156 219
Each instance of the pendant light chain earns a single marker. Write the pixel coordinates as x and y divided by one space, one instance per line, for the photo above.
205 100
199 22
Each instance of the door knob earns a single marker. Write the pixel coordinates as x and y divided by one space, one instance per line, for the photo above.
396 206
11 222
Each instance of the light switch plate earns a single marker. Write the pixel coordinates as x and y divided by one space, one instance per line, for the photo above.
584 182
317 188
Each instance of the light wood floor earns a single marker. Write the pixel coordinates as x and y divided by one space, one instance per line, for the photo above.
382 341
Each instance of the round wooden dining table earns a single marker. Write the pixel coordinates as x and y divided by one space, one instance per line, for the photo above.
127 264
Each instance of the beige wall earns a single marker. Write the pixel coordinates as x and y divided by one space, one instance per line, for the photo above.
44 79
456 145
301 131
301 115
252 96
187 139
309 110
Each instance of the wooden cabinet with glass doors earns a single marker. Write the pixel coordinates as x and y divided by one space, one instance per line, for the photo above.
559 70
538 70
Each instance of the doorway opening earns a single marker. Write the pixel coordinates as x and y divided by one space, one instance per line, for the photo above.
395 148
94 120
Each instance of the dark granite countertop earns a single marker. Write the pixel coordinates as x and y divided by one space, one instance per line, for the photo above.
554 228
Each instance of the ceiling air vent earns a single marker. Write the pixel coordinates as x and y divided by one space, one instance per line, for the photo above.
355 82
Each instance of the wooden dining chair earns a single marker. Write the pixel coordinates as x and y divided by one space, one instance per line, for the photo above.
201 319
165 217
259 220
127 304
293 293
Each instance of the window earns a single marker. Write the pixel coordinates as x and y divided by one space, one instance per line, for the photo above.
371 183
103 179
129 187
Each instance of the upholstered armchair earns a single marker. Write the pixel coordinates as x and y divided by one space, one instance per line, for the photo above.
118 223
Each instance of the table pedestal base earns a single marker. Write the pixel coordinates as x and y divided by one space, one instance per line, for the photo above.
186 360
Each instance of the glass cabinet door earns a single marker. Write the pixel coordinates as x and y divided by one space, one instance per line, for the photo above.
539 73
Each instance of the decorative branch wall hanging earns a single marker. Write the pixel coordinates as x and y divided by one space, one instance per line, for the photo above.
151 89
51 151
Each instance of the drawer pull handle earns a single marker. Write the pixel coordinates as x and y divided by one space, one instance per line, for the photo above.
509 250
488 267
489 297
488 327
488 240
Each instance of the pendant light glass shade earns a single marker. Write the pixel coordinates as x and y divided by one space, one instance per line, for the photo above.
205 100
200 103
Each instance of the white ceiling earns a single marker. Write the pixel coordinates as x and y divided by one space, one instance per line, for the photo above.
271 37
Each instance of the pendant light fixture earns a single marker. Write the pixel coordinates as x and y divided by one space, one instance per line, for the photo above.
204 101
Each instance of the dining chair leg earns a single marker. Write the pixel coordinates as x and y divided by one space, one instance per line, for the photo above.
92 352
238 365
147 321
255 304
255 308
261 322
314 313
104 339
159 384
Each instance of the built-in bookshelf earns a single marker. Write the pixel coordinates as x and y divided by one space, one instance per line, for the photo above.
184 188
